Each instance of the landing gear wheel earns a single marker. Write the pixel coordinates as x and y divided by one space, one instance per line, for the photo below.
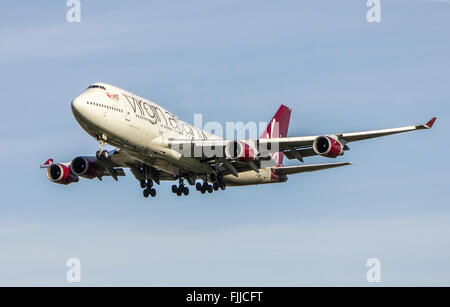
98 155
104 155
179 192
152 192
149 183
210 189
203 190
143 184
174 188
186 191
146 193
198 186
213 177
223 186
216 186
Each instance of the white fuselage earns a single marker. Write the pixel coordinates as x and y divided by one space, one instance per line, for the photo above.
142 128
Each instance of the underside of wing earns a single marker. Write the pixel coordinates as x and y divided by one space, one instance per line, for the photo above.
290 170
122 158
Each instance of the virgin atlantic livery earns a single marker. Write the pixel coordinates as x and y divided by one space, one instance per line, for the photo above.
156 146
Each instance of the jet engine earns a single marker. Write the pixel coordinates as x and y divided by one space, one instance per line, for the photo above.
86 167
328 147
62 174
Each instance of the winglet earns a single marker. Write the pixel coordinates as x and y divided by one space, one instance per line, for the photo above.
430 123
47 163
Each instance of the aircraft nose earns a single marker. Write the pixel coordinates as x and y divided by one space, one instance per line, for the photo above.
76 104
79 108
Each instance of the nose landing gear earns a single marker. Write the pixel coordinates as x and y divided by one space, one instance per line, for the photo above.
102 154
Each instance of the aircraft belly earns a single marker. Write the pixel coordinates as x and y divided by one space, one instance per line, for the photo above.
250 178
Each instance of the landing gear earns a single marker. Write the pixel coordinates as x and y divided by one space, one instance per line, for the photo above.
221 182
102 154
180 189
209 188
148 190
146 183
213 177
218 183
146 193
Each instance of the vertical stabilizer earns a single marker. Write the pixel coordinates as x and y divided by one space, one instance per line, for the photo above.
278 128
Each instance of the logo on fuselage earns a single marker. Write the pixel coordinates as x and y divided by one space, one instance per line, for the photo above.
114 97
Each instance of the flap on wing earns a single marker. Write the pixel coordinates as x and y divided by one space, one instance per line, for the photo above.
289 170
304 152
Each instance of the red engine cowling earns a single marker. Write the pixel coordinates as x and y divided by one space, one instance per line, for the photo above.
62 174
328 147
86 167
240 151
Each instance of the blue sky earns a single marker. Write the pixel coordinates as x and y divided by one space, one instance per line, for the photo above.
231 61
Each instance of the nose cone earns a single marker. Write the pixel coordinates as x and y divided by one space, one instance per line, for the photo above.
76 104
79 109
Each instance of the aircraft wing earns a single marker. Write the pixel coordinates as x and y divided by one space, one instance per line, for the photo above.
292 147
285 143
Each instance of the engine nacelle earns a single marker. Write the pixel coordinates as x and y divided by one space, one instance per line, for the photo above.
328 147
86 167
240 151
62 174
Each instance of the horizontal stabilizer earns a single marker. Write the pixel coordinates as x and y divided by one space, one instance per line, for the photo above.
289 170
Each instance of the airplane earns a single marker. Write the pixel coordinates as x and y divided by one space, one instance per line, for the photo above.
157 146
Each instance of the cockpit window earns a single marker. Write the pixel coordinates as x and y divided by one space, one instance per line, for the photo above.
97 86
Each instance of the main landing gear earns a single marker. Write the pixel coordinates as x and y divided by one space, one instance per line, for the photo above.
180 189
218 183
147 185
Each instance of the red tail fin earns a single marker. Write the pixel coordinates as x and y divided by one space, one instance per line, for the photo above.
278 128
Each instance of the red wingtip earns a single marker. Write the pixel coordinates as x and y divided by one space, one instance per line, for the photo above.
49 161
431 122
